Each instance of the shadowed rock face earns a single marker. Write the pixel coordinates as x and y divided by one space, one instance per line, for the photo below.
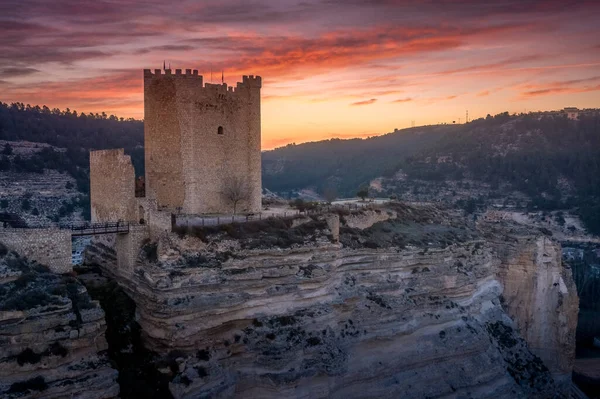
51 335
352 320
541 297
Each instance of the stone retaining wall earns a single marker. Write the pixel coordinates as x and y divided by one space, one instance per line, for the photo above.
50 247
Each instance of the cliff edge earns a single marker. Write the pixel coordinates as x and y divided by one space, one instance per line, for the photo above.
404 301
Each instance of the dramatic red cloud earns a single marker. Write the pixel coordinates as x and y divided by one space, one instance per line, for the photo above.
316 57
285 56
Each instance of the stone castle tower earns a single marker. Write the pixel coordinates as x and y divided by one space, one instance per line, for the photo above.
200 139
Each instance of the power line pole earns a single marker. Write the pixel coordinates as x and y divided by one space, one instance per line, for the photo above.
467 119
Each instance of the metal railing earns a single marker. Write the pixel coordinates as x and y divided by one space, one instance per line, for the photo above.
90 229
182 220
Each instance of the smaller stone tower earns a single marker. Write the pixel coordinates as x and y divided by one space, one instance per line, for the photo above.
112 186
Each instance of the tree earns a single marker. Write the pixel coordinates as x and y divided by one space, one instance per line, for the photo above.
4 203
236 190
8 150
363 193
25 205
299 204
470 206
330 194
560 218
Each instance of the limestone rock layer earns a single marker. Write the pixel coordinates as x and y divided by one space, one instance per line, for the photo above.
52 341
373 318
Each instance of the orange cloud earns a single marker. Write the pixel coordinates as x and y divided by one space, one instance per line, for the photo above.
366 102
558 90
561 87
403 100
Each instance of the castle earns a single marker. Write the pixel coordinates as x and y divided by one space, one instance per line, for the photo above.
202 146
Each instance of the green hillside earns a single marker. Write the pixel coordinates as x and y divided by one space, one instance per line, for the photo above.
536 154
345 164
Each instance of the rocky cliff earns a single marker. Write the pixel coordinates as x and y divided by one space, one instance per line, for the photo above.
410 304
539 295
52 341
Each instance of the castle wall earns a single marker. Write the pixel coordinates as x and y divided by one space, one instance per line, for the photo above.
50 247
162 142
158 221
128 246
112 186
188 163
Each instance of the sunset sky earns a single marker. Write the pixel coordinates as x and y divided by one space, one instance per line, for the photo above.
330 68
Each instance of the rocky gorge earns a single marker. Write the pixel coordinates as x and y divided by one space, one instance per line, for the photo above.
52 342
394 301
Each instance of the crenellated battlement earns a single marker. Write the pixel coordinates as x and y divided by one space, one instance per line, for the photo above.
107 153
251 81
168 72
247 81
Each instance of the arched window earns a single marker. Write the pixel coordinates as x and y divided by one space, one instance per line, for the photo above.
220 130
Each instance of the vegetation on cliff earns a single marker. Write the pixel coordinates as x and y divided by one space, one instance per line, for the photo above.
554 161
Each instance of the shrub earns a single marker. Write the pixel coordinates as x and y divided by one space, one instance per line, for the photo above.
28 356
29 300
151 251
201 371
34 384
363 193
203 354
299 204
25 204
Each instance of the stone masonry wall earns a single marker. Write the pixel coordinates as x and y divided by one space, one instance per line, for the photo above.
128 246
50 247
199 138
112 186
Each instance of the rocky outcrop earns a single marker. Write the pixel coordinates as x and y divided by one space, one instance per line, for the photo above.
408 307
52 341
366 218
540 296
